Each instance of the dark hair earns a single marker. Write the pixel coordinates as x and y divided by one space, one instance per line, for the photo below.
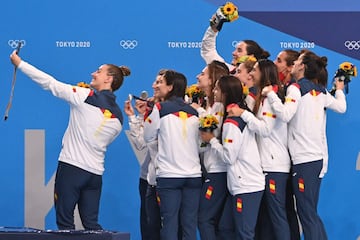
315 67
118 73
269 76
178 81
162 72
291 56
253 48
216 70
232 90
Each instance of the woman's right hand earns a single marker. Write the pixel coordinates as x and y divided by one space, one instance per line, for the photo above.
266 90
140 106
206 136
128 109
15 59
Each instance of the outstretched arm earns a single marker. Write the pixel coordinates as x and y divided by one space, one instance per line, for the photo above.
69 93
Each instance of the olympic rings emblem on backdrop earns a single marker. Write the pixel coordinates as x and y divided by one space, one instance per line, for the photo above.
14 43
234 43
128 44
352 45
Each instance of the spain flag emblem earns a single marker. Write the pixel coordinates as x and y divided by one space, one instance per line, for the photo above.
239 205
272 186
228 140
268 114
209 192
290 100
157 198
301 185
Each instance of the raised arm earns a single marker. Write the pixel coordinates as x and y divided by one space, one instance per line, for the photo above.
69 93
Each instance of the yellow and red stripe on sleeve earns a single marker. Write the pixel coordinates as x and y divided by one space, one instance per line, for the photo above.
287 99
268 114
221 114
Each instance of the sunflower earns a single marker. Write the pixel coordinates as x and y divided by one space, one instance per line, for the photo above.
208 122
195 93
355 71
345 66
233 16
83 84
246 58
349 68
230 11
229 8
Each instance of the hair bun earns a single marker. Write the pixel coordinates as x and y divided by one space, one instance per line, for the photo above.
324 60
125 70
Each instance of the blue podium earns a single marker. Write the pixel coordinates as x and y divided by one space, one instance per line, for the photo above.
11 233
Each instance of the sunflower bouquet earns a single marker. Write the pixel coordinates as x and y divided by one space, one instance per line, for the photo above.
225 13
195 94
208 123
348 68
245 58
83 84
344 73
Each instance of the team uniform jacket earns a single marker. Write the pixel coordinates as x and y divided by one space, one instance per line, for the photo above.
174 124
241 155
208 49
153 151
212 161
95 120
304 110
271 136
136 130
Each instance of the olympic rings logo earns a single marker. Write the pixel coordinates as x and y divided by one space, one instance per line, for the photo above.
128 44
15 43
352 45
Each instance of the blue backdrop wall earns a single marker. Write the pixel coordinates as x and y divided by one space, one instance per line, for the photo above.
71 39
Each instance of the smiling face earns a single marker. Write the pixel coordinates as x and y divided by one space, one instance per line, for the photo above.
281 63
204 80
298 69
243 75
255 74
282 67
240 50
155 91
218 96
101 80
160 88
